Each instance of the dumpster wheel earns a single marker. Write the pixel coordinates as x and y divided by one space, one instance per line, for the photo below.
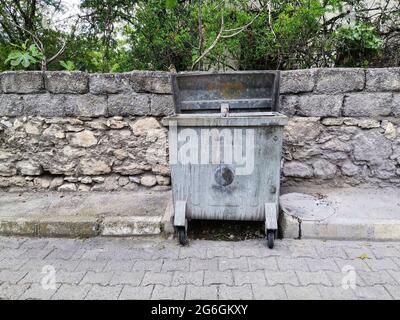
270 238
182 236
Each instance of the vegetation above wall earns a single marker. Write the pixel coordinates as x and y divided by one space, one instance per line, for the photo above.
124 35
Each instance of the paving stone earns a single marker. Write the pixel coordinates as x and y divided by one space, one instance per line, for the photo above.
98 292
12 242
395 275
393 290
218 277
193 252
175 265
262 292
204 264
71 292
91 254
249 277
166 253
233 264
69 277
58 264
10 291
396 261
92 277
249 249
135 293
226 252
377 292
61 254
65 244
371 278
182 278
201 293
161 292
303 251
11 253
37 292
36 253
34 244
357 264
339 278
319 277
157 278
122 254
302 293
385 252
13 263
113 265
356 253
281 277
133 278
32 277
88 265
382 264
325 251
147 265
285 264
11 275
266 263
322 264
336 293
235 293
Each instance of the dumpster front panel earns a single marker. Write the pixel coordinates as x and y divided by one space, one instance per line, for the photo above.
226 173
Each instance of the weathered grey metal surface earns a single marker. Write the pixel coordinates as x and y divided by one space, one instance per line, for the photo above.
248 119
245 197
197 92
237 113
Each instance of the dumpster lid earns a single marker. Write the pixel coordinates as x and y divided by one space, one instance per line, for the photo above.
239 91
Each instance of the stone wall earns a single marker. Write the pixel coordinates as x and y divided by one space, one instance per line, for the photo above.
344 127
75 131
78 131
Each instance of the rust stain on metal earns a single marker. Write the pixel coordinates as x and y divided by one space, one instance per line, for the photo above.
228 90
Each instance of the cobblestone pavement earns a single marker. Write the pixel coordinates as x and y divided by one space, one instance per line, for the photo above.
120 268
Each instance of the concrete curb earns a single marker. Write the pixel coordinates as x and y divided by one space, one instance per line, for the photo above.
83 215
359 214
130 226
168 218
59 227
383 230
85 227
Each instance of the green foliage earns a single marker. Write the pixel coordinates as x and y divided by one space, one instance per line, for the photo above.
24 56
171 4
161 37
68 65
122 35
357 43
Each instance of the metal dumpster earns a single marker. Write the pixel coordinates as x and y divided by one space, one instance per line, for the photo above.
225 143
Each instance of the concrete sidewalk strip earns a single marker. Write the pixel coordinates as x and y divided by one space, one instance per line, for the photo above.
55 214
341 213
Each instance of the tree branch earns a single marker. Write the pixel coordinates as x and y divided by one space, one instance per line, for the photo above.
207 51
